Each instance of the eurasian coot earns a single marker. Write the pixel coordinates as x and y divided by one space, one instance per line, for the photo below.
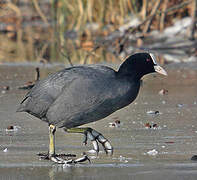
82 94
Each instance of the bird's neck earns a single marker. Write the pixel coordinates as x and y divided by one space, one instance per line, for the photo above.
131 75
129 70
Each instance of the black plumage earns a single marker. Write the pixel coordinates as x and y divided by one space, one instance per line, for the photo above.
83 94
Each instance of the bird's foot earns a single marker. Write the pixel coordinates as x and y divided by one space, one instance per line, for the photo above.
64 158
95 137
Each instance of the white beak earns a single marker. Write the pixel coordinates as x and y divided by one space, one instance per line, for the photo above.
160 70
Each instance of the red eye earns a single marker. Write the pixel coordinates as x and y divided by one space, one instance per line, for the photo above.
147 59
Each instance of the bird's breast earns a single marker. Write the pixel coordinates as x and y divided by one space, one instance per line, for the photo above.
126 94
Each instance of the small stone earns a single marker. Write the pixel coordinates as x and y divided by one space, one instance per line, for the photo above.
180 105
152 152
10 127
152 112
163 92
169 142
163 102
155 126
6 88
116 123
147 125
3 92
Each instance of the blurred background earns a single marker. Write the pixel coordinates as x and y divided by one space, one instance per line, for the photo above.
157 134
92 31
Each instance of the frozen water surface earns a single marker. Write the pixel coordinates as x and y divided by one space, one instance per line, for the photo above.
174 136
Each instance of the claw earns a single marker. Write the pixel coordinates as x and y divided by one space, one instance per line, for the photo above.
105 143
58 160
82 159
96 137
63 156
71 161
92 138
85 139
108 148
95 146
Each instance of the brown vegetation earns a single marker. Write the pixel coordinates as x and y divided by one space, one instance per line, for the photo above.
48 30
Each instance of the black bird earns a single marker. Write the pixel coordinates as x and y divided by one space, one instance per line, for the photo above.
82 94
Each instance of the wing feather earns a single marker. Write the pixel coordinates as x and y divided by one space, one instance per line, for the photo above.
84 101
47 91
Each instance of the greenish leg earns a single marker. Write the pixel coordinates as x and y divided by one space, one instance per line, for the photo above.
94 137
78 130
53 156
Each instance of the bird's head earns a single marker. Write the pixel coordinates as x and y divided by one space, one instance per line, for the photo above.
140 64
